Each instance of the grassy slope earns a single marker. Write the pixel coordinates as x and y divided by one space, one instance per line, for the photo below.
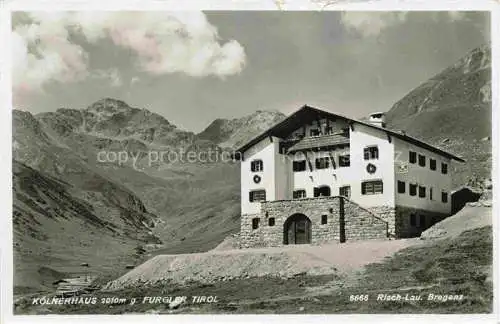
458 266
198 204
55 231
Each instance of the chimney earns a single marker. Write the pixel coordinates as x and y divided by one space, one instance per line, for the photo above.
377 119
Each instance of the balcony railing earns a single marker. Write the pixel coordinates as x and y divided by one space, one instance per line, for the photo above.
309 143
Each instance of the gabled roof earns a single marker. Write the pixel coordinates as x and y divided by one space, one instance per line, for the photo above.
307 114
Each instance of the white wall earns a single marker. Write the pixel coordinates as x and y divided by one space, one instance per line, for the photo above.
353 175
334 178
422 176
361 137
283 171
267 151
279 180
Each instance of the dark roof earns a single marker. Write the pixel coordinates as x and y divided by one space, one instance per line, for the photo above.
319 142
307 114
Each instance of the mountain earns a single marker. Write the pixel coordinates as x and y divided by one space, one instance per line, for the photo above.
235 132
453 110
56 229
63 205
68 203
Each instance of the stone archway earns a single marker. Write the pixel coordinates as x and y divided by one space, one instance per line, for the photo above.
297 230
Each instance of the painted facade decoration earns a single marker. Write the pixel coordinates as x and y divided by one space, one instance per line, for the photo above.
318 177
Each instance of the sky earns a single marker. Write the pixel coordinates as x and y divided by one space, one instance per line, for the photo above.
194 67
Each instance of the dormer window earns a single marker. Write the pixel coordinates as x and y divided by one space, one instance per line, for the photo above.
257 166
314 132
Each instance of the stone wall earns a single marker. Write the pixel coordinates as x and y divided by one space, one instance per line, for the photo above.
360 223
403 223
388 214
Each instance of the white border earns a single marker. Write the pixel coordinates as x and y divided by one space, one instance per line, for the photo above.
6 270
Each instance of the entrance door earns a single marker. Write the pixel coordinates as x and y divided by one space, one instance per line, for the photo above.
297 230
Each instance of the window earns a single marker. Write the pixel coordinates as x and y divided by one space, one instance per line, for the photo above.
413 157
257 195
372 187
421 160
271 221
371 152
322 163
345 191
421 191
444 197
444 168
255 223
328 130
314 132
323 191
401 186
344 160
432 164
413 220
257 165
431 194
422 221
324 219
413 189
297 194
299 166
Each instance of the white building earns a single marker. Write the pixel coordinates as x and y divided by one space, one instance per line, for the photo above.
314 154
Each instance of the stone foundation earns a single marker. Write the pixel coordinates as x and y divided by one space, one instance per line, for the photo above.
359 223
405 229
388 214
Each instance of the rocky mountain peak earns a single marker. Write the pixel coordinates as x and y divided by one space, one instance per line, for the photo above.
233 132
477 59
108 105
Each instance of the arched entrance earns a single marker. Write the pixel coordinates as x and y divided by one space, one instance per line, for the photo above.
297 230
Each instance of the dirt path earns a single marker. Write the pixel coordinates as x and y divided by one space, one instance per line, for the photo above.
288 261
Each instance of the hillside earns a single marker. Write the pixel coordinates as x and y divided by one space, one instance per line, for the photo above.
65 209
55 230
453 110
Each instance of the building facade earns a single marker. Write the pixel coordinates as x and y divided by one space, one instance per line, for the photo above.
320 177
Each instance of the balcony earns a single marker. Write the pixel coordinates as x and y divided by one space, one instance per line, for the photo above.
315 143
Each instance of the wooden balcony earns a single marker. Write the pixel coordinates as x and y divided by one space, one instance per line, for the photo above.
315 143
